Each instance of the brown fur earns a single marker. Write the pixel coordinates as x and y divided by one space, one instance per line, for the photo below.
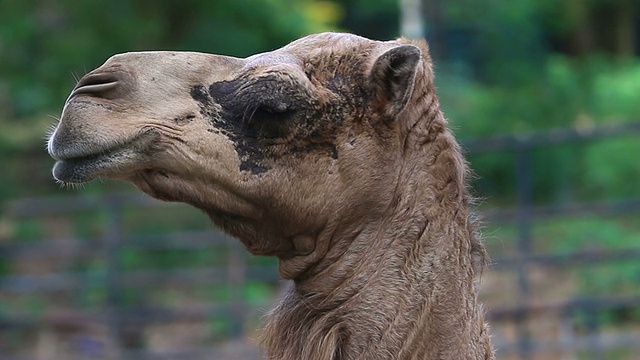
332 154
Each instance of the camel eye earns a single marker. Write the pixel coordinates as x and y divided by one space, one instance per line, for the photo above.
274 108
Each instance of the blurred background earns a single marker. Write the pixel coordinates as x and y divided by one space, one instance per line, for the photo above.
543 94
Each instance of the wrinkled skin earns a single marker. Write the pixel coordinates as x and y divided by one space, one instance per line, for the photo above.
232 152
316 153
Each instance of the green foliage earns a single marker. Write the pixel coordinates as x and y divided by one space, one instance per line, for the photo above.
257 292
610 169
566 93
373 19
616 92
602 233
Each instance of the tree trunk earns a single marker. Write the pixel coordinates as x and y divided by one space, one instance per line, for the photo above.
625 35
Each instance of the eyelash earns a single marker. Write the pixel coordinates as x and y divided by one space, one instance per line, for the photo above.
273 110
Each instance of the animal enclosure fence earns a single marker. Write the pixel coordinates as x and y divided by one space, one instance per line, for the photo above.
116 326
80 277
569 340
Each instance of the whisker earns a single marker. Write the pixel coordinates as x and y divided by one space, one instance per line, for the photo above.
62 184
251 117
244 114
246 120
48 134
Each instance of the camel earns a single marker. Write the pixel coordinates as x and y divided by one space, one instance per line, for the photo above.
330 153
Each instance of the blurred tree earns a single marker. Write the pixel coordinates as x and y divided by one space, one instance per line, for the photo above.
373 19
586 26
501 43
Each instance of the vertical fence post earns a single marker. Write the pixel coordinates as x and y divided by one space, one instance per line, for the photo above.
236 276
593 329
112 241
524 183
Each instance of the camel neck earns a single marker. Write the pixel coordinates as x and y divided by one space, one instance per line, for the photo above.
397 287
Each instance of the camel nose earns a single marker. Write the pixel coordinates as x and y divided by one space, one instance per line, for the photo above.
97 84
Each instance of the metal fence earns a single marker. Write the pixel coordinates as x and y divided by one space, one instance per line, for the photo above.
591 343
115 327
65 294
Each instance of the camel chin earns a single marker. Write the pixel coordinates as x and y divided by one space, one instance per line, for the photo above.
81 158
111 163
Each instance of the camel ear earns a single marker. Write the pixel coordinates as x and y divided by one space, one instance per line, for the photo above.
393 77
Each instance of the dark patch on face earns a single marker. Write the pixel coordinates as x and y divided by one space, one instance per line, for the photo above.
201 95
253 167
246 144
334 152
208 110
269 117
183 119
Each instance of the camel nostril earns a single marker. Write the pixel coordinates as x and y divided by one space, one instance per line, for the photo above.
96 84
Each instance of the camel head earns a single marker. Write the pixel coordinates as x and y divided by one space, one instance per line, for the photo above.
279 149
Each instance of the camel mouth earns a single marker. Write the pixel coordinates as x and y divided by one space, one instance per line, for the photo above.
115 161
